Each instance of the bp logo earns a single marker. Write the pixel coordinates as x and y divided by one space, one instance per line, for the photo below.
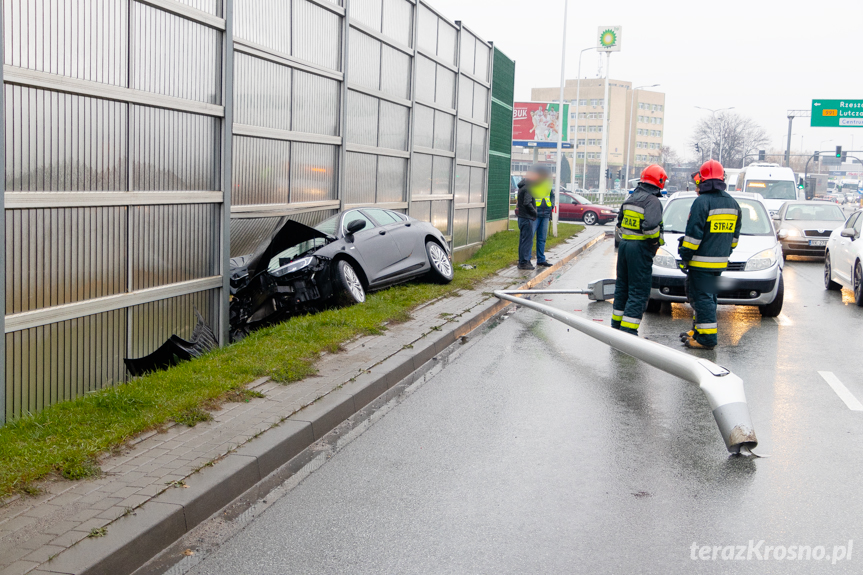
608 39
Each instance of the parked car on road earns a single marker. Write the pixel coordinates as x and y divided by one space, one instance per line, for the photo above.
577 208
754 273
804 227
301 268
843 264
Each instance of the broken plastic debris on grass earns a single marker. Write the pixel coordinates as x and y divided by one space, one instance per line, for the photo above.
467 267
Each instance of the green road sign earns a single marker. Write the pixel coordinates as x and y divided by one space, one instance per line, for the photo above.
837 114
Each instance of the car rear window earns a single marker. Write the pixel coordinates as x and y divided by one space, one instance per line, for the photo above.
814 212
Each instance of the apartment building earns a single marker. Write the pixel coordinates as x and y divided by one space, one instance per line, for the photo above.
648 125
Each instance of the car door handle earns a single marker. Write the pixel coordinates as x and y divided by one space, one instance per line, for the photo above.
383 232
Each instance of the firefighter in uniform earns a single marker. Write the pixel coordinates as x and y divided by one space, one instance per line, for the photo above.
640 223
712 232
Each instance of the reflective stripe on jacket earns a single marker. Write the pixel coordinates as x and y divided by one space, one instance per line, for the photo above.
640 216
713 228
542 194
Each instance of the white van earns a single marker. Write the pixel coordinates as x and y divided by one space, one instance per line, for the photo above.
731 175
776 184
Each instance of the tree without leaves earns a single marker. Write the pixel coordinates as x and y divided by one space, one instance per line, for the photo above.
738 135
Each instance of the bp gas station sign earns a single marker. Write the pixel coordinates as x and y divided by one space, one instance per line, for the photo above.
837 114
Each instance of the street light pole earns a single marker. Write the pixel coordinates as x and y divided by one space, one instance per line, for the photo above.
561 124
577 104
629 137
713 130
603 160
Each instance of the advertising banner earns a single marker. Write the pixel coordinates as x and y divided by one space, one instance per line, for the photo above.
539 123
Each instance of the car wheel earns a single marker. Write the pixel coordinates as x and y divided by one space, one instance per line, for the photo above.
653 306
829 284
439 262
858 284
351 291
774 308
590 218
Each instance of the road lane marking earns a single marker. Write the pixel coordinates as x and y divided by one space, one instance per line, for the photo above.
842 391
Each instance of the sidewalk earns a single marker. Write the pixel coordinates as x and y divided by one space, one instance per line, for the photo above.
152 482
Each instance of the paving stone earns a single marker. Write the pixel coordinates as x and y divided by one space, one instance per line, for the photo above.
19 568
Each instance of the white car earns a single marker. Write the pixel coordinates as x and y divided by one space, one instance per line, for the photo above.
754 273
842 266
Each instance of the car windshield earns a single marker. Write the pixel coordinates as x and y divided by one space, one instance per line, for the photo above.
773 189
580 199
814 212
756 222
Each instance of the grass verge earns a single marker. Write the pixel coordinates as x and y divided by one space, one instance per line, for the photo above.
67 437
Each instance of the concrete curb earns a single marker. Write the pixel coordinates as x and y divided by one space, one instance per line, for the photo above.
133 540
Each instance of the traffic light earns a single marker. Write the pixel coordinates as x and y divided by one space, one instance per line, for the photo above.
697 147
838 151
817 154
620 174
762 155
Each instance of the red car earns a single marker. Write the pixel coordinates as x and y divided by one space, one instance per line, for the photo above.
574 207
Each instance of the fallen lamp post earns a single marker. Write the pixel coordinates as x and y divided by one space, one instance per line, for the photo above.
723 389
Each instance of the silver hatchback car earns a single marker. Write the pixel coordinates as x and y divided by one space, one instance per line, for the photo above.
754 274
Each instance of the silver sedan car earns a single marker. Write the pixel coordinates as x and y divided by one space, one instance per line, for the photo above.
803 228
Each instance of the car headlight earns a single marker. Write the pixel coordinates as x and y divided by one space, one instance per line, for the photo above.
664 259
292 267
607 212
791 232
761 261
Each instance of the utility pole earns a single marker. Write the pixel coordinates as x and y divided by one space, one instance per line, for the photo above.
563 121
791 115
603 161
577 104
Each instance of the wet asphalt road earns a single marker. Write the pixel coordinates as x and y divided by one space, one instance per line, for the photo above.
539 450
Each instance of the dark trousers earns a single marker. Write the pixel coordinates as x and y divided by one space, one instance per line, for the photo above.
701 291
632 288
525 240
540 226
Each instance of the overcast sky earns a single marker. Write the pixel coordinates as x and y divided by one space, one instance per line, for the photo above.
763 58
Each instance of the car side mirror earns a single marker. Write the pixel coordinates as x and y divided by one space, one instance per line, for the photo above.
356 225
849 233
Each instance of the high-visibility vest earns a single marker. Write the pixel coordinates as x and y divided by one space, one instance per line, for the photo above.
541 194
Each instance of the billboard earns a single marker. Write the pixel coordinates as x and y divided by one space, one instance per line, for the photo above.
539 123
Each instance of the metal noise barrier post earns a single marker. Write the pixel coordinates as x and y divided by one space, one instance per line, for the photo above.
723 389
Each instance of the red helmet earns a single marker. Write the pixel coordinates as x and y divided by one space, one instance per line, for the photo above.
711 170
654 174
